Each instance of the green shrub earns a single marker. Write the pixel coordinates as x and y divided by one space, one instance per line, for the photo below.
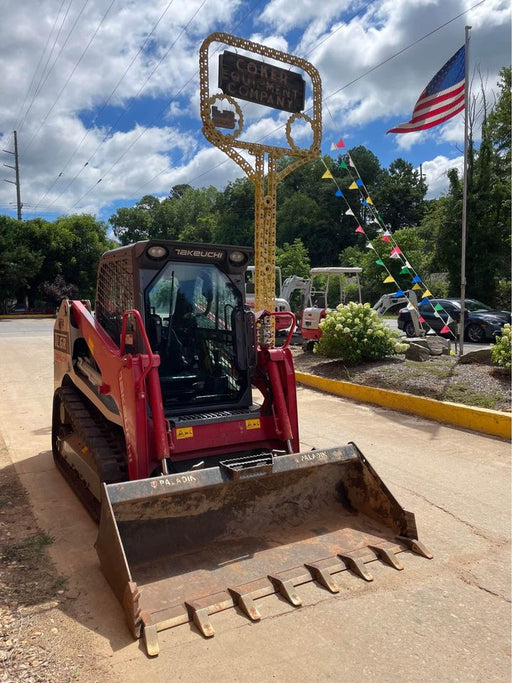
501 351
355 333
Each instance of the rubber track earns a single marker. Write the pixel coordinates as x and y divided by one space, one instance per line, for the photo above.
105 447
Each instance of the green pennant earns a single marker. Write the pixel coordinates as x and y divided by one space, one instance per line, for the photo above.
379 262
438 307
405 271
342 164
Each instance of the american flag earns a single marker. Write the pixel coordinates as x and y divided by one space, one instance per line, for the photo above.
442 98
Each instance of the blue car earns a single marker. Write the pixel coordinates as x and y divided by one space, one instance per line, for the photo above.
481 323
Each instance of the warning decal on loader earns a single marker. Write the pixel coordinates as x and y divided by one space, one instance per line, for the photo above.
61 341
184 432
252 424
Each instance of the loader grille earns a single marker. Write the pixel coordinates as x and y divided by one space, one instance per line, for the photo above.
114 294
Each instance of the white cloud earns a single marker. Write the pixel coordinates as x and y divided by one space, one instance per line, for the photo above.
435 172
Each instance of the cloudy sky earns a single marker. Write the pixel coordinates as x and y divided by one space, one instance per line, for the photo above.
104 94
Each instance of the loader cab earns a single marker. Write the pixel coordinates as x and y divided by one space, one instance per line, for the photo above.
196 321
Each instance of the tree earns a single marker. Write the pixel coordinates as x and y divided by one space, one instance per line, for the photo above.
488 208
234 211
400 195
17 262
293 259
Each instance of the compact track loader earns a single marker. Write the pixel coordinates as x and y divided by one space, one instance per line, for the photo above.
175 421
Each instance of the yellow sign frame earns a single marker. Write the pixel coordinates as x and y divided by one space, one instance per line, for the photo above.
264 197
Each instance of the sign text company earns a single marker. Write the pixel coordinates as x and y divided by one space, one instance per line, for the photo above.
247 79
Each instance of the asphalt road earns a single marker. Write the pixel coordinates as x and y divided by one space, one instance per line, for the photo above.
446 619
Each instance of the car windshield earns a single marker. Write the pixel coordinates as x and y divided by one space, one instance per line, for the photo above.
476 306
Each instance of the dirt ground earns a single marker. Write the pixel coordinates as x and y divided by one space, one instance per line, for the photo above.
39 640
441 377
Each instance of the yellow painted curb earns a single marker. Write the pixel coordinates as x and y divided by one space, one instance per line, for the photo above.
483 420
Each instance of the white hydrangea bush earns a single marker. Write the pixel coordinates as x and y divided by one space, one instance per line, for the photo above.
501 351
355 333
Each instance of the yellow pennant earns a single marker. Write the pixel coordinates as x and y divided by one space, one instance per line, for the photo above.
327 174
353 186
427 292
369 200
416 286
389 278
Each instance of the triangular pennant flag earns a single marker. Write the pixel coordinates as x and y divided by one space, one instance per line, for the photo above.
416 279
333 146
353 186
359 229
426 293
399 293
421 319
396 250
394 255
340 144
386 232
416 286
369 245
327 174
339 193
350 162
424 301
438 307
369 200
389 278
379 262
407 264
410 307
349 212
404 271
359 182
343 165
449 320
385 238
364 202
445 329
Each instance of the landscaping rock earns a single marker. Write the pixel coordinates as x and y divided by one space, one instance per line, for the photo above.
481 357
417 352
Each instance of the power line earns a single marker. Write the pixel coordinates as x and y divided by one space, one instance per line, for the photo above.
43 82
72 72
105 105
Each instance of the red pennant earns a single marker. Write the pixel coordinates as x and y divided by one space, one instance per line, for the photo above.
340 144
385 238
445 329
421 319
396 250
360 229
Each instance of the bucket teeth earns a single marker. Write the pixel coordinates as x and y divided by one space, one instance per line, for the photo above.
246 603
386 556
356 565
201 618
287 590
323 577
415 546
150 634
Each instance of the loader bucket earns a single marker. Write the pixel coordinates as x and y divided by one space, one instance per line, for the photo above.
181 547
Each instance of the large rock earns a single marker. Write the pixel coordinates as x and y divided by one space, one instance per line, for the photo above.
437 346
417 352
480 357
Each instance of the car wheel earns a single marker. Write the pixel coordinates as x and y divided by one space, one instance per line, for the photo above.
475 333
409 329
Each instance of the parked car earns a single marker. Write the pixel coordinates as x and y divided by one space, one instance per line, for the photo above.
481 322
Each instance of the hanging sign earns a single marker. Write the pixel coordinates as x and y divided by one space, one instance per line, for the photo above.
261 83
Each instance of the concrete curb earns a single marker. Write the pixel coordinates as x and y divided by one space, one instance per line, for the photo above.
491 422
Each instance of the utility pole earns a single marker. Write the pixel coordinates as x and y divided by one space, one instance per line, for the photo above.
16 169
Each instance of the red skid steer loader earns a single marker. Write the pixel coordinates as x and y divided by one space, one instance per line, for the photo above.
176 425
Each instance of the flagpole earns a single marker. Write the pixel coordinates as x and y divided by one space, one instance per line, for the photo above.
464 196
